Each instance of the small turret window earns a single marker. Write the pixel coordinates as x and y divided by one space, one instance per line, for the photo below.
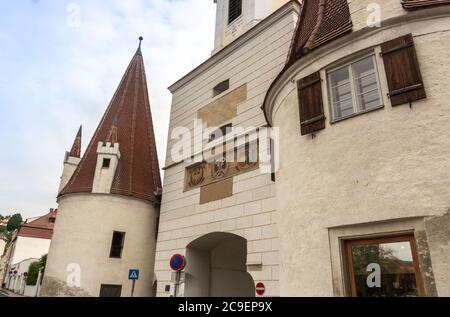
106 163
234 10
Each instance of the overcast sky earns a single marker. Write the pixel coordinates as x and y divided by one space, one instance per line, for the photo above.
60 63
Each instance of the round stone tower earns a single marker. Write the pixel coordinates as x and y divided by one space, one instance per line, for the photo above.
109 203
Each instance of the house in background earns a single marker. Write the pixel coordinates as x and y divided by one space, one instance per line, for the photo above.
31 242
2 245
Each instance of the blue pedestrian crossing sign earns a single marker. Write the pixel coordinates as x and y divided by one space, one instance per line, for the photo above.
133 274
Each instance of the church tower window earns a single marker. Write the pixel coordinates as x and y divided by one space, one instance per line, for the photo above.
234 10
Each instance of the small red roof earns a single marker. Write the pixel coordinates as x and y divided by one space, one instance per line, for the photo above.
41 227
320 21
129 115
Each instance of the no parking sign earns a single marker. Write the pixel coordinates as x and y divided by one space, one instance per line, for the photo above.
177 263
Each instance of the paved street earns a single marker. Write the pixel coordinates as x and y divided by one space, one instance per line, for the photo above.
5 293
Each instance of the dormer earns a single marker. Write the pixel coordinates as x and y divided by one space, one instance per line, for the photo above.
108 156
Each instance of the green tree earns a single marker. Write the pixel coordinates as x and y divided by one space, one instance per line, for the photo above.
14 222
33 273
42 263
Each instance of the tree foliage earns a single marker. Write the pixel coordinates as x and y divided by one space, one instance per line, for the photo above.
33 273
14 222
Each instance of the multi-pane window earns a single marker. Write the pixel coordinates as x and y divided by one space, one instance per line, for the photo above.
117 244
354 88
234 10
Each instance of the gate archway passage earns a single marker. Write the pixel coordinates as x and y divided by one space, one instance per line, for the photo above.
216 267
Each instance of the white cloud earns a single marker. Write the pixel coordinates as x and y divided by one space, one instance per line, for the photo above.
76 85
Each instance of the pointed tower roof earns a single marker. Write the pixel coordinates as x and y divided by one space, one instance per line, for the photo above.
127 121
76 147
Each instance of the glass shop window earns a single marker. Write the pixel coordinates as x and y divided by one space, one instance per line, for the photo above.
386 267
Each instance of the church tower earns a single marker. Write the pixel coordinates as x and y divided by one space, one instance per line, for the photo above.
235 17
109 202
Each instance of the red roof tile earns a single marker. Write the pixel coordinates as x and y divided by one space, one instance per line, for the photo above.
320 21
76 147
137 174
41 227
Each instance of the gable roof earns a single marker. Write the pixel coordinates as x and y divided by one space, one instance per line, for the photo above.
41 228
137 174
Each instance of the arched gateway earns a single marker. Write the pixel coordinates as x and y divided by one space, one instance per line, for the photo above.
216 267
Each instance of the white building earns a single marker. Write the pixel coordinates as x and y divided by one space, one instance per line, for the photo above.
358 92
223 217
2 246
364 117
109 202
31 242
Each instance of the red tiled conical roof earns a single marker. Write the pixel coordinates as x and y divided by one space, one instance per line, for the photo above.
137 174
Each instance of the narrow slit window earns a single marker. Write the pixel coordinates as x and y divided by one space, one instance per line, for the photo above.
117 244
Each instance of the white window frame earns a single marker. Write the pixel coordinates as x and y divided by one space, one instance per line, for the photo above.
356 111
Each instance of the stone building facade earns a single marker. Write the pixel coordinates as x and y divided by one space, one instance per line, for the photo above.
364 116
226 226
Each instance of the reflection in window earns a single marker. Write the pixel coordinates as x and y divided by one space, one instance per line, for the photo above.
383 268
354 88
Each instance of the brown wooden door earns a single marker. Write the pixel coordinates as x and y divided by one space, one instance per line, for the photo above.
111 291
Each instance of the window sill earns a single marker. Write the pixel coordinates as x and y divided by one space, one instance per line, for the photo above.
356 114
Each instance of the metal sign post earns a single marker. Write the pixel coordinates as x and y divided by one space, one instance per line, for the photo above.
177 264
132 288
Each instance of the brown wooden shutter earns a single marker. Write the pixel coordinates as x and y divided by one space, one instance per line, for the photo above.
312 117
402 71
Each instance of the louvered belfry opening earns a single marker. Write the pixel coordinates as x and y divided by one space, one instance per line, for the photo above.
234 10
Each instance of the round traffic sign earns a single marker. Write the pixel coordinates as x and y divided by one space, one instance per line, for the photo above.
177 262
260 289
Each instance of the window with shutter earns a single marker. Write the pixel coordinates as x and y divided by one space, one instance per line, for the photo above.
354 88
402 71
312 117
417 4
